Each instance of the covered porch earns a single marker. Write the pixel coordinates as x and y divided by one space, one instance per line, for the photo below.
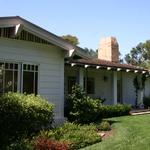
103 79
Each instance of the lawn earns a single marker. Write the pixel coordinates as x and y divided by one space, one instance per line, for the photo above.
129 133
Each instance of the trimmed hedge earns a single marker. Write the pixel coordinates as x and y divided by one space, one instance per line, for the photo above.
22 114
107 111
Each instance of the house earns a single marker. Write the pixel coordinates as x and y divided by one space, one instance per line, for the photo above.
33 60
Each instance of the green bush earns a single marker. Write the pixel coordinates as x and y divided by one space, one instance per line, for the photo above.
77 135
104 126
22 114
146 102
81 108
107 111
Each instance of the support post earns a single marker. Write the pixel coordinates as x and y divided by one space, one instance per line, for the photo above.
114 87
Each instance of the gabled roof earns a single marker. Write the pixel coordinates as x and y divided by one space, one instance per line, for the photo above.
104 64
20 24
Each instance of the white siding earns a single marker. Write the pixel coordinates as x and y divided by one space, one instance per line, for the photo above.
51 67
147 88
128 92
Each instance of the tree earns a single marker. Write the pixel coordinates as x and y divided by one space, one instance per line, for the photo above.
139 55
71 39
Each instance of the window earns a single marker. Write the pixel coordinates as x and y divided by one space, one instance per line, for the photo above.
71 82
8 77
30 78
89 85
18 77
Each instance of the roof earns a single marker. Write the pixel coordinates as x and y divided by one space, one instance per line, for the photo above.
20 23
34 29
104 64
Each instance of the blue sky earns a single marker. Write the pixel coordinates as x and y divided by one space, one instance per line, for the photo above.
89 20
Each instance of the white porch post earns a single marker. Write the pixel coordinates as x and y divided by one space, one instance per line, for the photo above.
81 77
114 87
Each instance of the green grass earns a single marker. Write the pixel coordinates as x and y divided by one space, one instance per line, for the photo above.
130 133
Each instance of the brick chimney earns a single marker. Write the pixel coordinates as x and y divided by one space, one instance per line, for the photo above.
109 49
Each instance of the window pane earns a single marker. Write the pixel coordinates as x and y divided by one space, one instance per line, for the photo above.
8 80
30 79
71 83
89 85
36 81
28 82
1 81
15 80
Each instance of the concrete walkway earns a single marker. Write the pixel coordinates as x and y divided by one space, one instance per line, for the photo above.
140 112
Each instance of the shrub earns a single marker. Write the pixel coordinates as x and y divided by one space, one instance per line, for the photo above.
146 102
76 135
23 114
107 111
22 144
104 126
81 108
43 143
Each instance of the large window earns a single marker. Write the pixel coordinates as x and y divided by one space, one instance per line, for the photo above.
18 77
89 85
30 78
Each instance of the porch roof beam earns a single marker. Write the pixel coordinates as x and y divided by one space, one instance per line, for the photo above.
86 66
118 69
73 64
127 70
108 68
98 67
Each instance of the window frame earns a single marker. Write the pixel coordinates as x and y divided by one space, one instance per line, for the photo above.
86 82
20 75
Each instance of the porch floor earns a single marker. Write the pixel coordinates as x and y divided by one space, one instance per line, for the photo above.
140 112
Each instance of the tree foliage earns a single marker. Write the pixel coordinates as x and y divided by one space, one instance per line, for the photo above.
71 39
139 55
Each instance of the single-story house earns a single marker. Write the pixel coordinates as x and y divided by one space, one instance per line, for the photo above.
33 60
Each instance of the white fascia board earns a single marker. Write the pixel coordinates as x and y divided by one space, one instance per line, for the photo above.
18 29
71 52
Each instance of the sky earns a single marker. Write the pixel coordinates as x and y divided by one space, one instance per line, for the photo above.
89 20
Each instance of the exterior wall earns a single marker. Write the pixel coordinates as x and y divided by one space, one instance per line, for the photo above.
103 88
147 88
128 90
51 67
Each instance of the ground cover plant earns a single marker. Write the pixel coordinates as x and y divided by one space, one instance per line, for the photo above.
76 135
